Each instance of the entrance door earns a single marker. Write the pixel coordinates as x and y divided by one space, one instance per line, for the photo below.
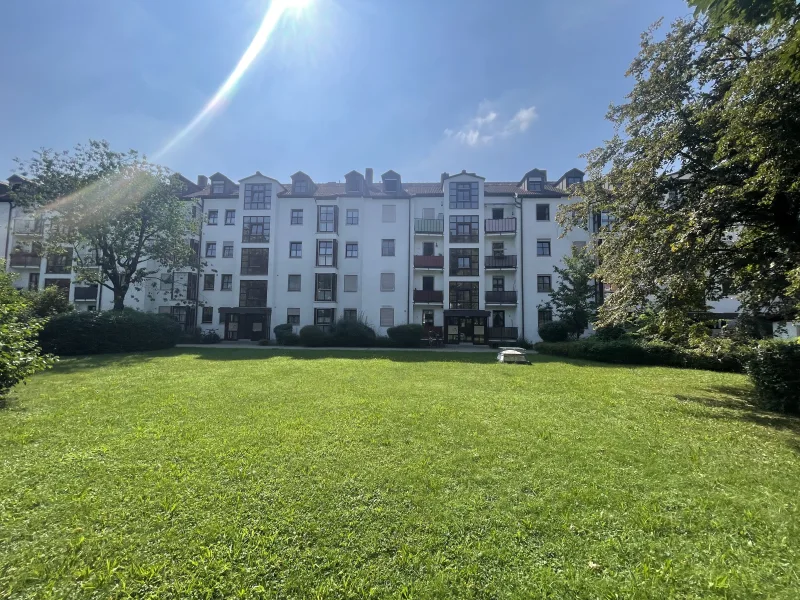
231 326
465 330
427 249
254 327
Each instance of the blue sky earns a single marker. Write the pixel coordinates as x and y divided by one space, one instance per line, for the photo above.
419 86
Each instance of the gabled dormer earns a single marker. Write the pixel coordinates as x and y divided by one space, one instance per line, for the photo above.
302 185
391 182
221 185
534 181
189 186
570 178
354 183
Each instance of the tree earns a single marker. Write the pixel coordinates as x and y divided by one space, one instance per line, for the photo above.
120 215
574 296
48 302
20 355
702 177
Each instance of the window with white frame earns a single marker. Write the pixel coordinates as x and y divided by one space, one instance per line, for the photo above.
542 247
297 216
211 249
428 213
227 249
464 194
389 214
293 316
351 283
257 196
326 219
350 314
294 283
387 282
387 317
217 187
542 212
295 249
227 283
213 215
535 184
352 216
326 253
300 186
230 217
351 250
387 247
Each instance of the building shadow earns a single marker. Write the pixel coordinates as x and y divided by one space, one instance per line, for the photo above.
78 364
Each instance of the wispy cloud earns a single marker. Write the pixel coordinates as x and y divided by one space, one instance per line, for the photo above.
487 126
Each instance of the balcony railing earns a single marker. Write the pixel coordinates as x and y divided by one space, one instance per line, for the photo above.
501 297
28 227
502 334
428 296
509 261
464 238
429 262
500 225
23 260
429 226
86 293
58 268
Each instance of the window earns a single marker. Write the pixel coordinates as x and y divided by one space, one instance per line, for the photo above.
60 263
350 314
387 282
464 228
217 186
428 213
351 283
294 283
212 217
227 283
326 253
389 214
535 184
498 318
211 249
498 284
427 248
323 318
255 230
387 317
542 212
464 294
545 316
325 287
295 249
297 216
542 247
352 216
387 247
300 186
427 283
230 217
166 281
573 181
544 283
208 282
293 316
326 219
255 261
464 194
427 318
578 246
351 250
464 261
497 213
33 281
498 249
253 293
390 185
208 314
227 249
257 196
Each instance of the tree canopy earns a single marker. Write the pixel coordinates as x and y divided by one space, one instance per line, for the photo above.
574 295
702 177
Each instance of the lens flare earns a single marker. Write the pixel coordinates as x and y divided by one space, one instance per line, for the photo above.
272 17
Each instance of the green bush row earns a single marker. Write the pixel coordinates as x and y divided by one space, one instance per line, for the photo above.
353 333
774 369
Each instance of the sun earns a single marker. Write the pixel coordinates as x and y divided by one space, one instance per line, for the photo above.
296 5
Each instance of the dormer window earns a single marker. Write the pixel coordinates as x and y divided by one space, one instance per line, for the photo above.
390 185
218 187
301 186
353 184
573 181
535 184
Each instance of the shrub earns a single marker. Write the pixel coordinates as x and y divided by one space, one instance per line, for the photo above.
383 341
49 302
555 331
406 336
313 337
108 332
281 331
609 333
20 355
774 369
211 337
193 336
523 343
352 333
291 339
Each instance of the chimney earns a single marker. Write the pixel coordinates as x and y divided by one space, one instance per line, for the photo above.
202 181
445 175
368 175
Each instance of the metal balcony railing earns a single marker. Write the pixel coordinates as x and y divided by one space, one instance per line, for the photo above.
501 334
23 260
86 293
500 225
429 262
429 296
430 226
28 227
501 297
509 261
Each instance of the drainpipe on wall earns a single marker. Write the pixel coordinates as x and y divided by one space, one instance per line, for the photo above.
199 265
518 204
8 233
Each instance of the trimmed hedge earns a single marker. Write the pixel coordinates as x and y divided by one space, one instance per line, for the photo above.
774 369
638 352
554 331
281 331
406 336
353 333
108 332
609 333
314 337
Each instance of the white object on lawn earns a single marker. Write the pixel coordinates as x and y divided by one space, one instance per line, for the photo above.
512 356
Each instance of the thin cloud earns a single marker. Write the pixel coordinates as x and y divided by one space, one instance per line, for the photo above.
485 126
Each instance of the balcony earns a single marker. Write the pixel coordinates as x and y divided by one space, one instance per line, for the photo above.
25 260
58 268
501 298
502 334
429 262
86 294
28 227
428 297
429 226
500 226
500 263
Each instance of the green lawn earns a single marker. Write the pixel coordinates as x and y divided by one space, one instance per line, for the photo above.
221 473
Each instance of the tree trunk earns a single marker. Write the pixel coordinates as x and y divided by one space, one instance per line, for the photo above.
119 298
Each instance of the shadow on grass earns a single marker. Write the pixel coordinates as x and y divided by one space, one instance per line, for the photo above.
76 364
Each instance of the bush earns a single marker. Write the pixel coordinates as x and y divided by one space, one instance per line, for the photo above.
555 331
609 333
406 336
352 333
523 343
291 339
774 369
281 331
211 337
313 337
49 302
20 355
383 341
108 332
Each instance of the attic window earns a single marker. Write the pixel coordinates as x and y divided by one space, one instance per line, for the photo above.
573 181
535 184
218 187
353 185
390 185
300 186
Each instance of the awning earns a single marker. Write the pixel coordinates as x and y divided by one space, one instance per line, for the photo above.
244 310
466 312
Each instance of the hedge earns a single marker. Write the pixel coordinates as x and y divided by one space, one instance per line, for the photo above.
314 337
281 331
406 336
774 369
108 332
554 331
354 333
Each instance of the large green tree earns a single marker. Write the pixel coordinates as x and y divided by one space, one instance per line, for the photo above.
574 294
120 215
702 177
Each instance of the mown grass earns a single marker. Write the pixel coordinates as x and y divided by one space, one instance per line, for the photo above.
221 473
